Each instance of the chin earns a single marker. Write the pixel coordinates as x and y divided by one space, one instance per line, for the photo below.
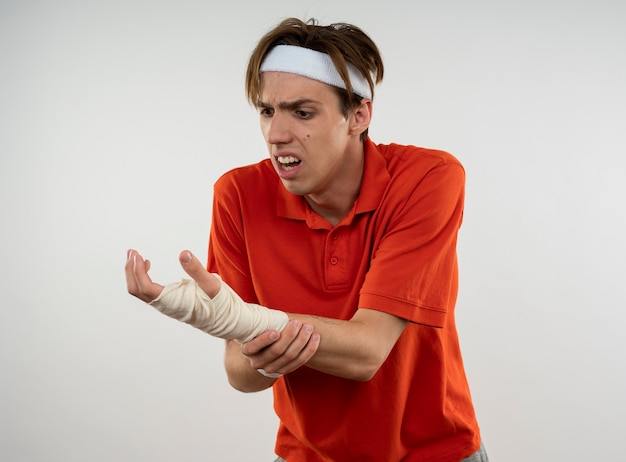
293 188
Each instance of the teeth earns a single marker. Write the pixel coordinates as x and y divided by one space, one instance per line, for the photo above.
287 159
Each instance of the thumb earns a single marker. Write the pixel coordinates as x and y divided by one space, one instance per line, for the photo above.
205 280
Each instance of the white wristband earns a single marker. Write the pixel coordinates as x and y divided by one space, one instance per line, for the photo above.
269 374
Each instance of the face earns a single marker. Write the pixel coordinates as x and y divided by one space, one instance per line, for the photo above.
314 148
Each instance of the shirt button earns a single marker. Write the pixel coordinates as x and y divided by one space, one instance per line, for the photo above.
334 260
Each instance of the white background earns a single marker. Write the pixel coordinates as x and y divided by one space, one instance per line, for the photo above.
116 118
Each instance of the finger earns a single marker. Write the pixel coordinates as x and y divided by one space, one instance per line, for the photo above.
298 351
258 344
273 350
293 339
145 288
306 353
205 280
131 282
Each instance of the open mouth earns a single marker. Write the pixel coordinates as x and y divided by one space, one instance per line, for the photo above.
288 162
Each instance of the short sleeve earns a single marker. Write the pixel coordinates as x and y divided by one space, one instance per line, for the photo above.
414 270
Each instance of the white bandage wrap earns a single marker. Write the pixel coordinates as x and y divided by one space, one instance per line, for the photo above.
225 316
314 65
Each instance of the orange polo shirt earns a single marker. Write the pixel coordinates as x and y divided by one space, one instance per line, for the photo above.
395 252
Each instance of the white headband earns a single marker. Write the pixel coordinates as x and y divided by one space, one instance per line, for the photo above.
314 65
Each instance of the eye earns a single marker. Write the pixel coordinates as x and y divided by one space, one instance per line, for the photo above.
301 113
266 112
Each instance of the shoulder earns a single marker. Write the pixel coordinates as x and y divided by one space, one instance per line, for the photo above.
409 165
399 155
248 177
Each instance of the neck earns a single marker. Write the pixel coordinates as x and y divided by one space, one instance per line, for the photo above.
334 205
333 215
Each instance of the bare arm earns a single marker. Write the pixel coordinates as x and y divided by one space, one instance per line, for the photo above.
353 349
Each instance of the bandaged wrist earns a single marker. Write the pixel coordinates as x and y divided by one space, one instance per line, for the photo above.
225 316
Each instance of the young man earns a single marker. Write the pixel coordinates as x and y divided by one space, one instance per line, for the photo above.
353 246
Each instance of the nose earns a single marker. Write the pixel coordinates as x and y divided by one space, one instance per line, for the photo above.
277 129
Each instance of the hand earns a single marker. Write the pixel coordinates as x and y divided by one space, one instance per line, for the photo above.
209 284
138 281
140 285
282 352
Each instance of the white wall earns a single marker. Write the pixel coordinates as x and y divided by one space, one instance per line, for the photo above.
117 117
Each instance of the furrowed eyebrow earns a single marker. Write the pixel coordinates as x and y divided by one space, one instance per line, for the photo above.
291 105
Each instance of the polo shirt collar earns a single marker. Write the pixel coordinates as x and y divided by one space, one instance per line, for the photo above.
375 181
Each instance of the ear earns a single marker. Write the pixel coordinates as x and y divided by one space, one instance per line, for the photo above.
361 117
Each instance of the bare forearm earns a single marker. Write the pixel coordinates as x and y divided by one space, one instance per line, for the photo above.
240 373
354 349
